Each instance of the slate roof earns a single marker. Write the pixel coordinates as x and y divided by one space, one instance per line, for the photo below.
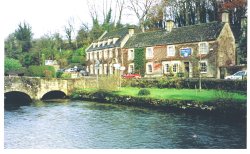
119 33
186 34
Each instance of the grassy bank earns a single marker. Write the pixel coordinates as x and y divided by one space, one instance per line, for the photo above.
188 100
180 94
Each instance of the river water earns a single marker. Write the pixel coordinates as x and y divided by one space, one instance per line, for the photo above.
84 125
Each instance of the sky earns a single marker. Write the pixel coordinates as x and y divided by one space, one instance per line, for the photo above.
45 16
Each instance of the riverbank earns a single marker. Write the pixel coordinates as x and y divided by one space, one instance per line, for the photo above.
185 100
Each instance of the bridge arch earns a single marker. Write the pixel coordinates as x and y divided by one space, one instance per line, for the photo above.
53 94
15 99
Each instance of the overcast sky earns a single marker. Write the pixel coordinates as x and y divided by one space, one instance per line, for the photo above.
46 16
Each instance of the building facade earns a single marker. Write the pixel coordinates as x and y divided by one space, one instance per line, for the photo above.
106 51
195 50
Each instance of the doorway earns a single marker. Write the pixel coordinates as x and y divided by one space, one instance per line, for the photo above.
187 68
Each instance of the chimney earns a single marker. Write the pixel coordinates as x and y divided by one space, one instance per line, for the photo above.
225 16
131 31
169 25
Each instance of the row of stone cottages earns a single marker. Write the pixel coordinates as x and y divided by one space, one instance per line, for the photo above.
195 50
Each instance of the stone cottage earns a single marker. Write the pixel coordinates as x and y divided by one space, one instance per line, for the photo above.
195 50
104 53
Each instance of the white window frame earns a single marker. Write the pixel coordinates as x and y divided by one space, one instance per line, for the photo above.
129 68
116 52
164 67
201 66
110 53
100 54
111 69
202 49
100 69
105 54
91 69
171 65
170 53
95 55
105 69
147 69
131 54
149 55
177 67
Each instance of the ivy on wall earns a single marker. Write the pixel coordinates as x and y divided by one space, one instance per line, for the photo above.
139 61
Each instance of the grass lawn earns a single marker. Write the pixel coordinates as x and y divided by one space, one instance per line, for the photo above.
183 94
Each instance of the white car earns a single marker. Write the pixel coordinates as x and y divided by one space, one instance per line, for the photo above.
70 70
237 76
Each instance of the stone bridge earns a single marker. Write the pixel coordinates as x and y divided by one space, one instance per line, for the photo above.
36 87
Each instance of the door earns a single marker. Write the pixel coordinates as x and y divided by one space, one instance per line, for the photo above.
187 69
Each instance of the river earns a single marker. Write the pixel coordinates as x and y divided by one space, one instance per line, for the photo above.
84 125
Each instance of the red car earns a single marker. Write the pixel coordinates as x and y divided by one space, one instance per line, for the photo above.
129 76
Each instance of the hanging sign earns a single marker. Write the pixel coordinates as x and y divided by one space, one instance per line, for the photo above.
185 52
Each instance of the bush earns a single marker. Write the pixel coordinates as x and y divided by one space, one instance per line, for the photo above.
11 64
59 74
144 92
66 76
41 71
230 85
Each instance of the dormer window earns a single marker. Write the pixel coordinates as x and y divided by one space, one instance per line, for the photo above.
203 47
109 41
114 40
94 45
99 43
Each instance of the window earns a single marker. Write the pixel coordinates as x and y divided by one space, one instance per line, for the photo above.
149 68
131 54
91 69
95 55
149 52
100 69
175 67
166 68
116 52
91 56
105 69
110 69
105 54
203 47
100 54
131 68
110 53
203 67
88 56
171 50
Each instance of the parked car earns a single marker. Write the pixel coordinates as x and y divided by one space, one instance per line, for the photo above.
70 70
84 73
237 76
129 76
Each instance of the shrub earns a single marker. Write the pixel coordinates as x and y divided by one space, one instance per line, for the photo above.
41 71
11 64
66 76
59 74
144 92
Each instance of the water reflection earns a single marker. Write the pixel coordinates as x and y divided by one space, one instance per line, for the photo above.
76 124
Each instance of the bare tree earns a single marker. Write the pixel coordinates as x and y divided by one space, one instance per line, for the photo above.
69 30
141 9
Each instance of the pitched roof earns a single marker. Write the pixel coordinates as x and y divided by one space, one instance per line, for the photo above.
119 33
186 34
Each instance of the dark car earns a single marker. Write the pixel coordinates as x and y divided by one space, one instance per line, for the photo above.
130 76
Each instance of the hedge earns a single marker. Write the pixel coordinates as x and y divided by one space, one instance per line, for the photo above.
42 71
230 85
